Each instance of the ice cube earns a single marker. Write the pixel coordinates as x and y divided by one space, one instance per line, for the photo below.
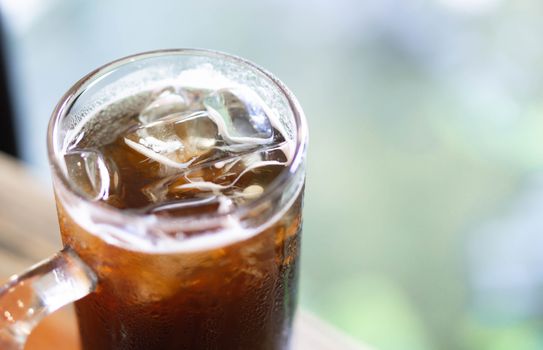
175 140
241 116
91 174
229 176
183 204
167 102
194 205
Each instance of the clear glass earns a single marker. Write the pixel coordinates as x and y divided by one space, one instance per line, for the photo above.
225 287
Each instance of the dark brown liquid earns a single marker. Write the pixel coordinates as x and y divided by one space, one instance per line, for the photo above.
240 296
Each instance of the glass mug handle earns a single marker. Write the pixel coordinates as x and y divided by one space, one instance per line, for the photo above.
47 286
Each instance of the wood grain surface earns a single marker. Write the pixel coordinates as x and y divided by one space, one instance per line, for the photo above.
29 233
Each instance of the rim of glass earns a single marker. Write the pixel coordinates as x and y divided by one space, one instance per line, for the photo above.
71 96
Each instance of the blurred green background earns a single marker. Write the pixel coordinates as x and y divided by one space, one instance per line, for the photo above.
424 198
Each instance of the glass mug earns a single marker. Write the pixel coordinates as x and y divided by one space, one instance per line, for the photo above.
229 281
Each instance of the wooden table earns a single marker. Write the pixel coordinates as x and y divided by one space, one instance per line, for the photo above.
29 233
